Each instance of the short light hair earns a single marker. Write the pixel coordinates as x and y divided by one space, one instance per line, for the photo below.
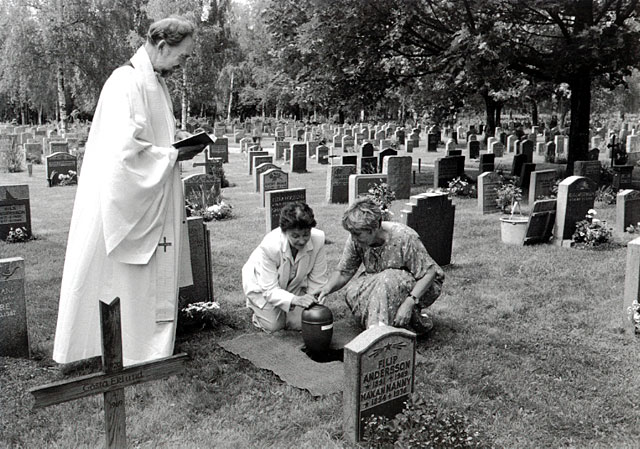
296 215
172 30
363 215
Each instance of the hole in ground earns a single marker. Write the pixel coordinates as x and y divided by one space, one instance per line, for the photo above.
330 355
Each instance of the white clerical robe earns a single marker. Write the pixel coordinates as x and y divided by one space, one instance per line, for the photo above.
128 235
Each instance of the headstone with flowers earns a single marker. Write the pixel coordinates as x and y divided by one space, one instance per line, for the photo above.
576 195
61 169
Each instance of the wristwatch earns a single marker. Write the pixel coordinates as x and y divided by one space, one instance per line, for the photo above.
415 300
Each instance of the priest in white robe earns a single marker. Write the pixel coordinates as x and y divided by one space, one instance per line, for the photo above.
128 235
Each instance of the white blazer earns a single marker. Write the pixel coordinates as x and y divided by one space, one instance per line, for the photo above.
271 275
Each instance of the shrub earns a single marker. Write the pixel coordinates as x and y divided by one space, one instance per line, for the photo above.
591 232
420 425
606 194
14 157
508 194
383 196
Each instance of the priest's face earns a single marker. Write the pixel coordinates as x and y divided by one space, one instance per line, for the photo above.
172 57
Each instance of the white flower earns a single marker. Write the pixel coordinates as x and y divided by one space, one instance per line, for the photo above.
592 212
60 177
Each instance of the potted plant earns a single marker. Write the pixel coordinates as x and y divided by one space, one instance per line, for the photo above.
514 227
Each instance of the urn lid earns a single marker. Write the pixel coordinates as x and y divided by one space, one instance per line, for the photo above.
317 314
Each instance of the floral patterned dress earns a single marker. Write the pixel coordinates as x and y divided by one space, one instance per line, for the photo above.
390 273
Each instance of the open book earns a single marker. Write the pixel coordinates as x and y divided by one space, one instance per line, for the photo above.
201 138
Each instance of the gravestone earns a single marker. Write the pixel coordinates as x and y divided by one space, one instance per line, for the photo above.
473 149
550 152
525 178
627 209
594 154
338 183
311 147
631 285
575 197
298 158
398 171
488 184
497 149
366 150
350 160
379 370
58 147
360 184
410 145
322 154
541 184
516 166
15 209
261 159
348 144
202 189
487 162
58 165
588 169
384 153
112 380
368 165
33 152
200 247
259 170
453 152
432 142
251 155
219 148
275 200
280 147
622 176
432 215
272 179
445 170
541 221
13 311
526 148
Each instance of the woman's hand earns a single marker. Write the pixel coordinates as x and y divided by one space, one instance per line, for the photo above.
403 315
303 301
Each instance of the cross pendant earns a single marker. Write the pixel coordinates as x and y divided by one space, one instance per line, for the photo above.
164 244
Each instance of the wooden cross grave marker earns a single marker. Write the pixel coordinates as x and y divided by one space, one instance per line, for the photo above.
112 380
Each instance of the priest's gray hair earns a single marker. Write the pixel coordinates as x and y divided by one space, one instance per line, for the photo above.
363 215
172 30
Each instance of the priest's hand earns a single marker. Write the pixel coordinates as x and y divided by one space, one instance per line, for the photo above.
189 152
182 134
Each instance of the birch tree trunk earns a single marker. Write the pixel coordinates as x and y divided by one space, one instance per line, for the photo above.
62 102
185 102
230 99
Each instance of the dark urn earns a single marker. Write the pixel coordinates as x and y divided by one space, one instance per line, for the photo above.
317 327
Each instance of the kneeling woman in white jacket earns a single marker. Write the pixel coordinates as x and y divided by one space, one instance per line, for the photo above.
286 270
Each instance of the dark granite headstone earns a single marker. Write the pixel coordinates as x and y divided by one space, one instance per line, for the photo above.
338 183
473 149
398 171
446 169
322 155
588 169
350 160
384 153
525 178
550 153
516 166
594 154
15 209
454 153
379 369
368 165
275 200
219 148
541 184
366 150
360 184
299 158
272 179
627 209
576 195
527 148
622 176
487 162
432 142
541 221
200 248
432 215
488 183
59 165
13 311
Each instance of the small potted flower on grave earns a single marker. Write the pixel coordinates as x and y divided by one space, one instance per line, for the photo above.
513 228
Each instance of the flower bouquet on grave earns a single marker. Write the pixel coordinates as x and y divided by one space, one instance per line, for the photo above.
591 232
198 316
19 235
633 312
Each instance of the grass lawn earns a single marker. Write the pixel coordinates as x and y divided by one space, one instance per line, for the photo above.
529 343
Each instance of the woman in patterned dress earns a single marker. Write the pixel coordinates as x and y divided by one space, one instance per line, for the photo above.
398 278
